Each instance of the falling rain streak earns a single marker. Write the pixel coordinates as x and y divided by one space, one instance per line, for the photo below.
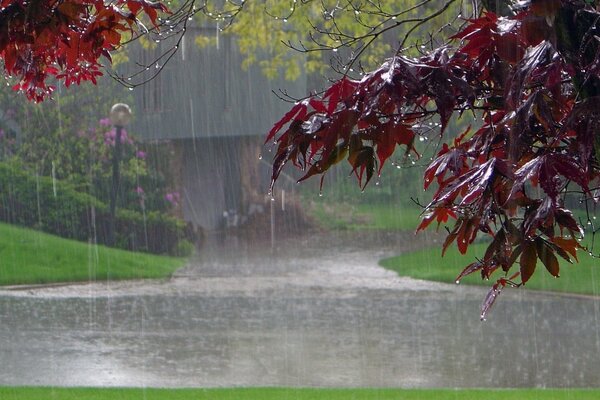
278 287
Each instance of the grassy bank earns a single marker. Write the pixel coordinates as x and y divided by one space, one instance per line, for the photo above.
582 277
31 257
289 394
346 216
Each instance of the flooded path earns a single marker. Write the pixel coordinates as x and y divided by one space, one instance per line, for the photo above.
316 311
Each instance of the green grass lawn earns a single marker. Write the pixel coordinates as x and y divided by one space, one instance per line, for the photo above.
31 257
582 277
292 394
384 217
364 216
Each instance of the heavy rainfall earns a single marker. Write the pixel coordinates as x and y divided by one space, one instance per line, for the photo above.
143 246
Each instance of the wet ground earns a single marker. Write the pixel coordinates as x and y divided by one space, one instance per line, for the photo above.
315 311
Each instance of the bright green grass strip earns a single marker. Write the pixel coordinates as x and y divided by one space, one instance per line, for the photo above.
293 394
582 277
31 257
365 216
386 217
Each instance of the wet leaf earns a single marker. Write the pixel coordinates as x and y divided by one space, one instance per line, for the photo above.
469 269
362 159
537 94
528 260
567 245
546 255
491 298
566 220
298 112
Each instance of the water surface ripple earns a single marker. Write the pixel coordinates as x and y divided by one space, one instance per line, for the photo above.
315 311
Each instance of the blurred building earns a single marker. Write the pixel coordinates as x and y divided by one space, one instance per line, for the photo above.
214 115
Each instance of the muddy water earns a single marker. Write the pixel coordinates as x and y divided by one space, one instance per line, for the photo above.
316 311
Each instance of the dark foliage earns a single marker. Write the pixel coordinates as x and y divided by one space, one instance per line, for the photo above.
65 40
57 208
533 77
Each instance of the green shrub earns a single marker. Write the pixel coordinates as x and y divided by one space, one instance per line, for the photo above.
56 207
184 248
155 232
40 203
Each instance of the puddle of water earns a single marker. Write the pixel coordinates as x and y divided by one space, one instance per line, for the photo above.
313 319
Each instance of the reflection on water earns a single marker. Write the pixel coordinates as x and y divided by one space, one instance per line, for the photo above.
313 323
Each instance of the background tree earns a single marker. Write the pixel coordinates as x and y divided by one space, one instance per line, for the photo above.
529 82
271 32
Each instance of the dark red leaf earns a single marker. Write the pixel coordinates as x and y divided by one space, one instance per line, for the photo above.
362 159
560 251
440 214
390 135
528 261
318 105
469 269
496 245
472 184
566 220
491 297
451 237
569 245
298 112
516 252
448 160
546 255
339 91
537 93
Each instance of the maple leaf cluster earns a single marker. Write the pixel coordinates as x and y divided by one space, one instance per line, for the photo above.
64 39
534 79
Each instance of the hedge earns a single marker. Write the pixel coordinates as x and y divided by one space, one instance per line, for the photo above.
57 207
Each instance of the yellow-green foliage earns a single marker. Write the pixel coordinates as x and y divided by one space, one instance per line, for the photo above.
203 41
267 29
